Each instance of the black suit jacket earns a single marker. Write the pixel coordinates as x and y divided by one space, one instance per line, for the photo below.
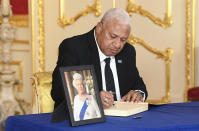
82 50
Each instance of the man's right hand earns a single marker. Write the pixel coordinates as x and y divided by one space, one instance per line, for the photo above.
107 99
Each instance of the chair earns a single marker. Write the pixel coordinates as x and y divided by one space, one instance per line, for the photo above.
42 84
193 94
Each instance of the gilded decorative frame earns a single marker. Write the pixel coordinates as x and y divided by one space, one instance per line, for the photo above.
190 45
41 35
41 32
63 21
20 42
133 8
33 41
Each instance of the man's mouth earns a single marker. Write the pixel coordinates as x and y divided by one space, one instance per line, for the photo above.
114 51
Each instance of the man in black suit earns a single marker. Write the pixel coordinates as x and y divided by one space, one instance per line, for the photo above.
107 39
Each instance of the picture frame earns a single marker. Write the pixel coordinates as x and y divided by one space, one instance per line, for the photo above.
82 96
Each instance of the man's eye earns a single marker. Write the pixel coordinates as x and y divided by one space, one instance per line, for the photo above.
112 36
123 40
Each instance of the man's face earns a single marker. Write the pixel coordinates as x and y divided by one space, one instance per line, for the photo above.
112 36
79 86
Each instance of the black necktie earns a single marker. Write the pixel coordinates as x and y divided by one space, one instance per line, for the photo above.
110 85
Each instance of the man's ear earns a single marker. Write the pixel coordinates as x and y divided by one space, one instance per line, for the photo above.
99 27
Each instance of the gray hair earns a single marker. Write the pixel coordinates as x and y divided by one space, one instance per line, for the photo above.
119 14
78 76
75 77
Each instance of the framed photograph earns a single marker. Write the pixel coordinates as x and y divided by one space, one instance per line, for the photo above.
82 95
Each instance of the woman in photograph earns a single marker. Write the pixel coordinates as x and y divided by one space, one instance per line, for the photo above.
85 105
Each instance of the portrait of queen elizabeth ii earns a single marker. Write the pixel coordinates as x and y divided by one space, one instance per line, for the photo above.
85 106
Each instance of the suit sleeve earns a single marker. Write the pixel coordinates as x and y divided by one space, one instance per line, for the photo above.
139 83
65 58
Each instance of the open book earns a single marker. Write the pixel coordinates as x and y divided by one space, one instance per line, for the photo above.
125 109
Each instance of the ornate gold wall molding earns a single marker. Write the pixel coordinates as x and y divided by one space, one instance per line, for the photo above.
16 50
193 42
190 46
166 56
133 8
41 35
187 48
33 35
63 21
18 20
20 42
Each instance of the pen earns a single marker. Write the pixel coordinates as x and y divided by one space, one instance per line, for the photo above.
111 92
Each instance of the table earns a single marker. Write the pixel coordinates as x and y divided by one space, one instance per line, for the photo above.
172 117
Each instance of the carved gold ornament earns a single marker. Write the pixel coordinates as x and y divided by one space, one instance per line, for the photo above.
193 42
33 37
63 21
20 42
190 46
41 36
133 8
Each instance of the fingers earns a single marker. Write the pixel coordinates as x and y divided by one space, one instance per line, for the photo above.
132 96
137 97
123 99
107 99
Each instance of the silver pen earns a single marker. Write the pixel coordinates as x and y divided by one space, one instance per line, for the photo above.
112 93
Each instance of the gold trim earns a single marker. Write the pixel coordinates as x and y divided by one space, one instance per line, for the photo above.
133 8
20 66
167 55
33 36
15 50
193 41
190 46
114 4
20 42
18 20
41 35
63 21
187 48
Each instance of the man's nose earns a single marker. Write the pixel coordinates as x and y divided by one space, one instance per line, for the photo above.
117 43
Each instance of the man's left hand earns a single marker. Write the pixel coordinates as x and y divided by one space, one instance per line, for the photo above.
132 96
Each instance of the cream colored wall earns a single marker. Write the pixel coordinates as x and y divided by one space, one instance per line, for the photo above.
151 68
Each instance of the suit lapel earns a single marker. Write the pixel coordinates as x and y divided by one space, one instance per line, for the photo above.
119 67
